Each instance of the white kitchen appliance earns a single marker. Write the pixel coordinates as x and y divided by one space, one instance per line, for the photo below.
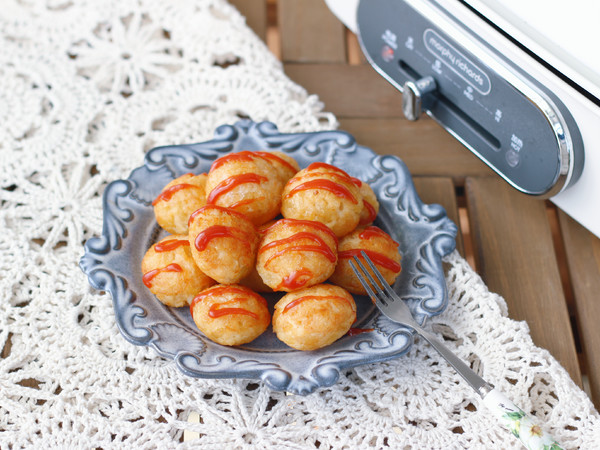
517 82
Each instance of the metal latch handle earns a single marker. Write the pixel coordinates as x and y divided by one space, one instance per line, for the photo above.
415 94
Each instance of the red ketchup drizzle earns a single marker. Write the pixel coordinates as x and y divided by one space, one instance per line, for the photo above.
296 279
374 231
376 257
322 165
239 156
328 185
321 246
215 311
232 182
311 223
357 331
318 175
270 156
170 244
245 202
168 193
299 300
216 231
356 181
371 213
215 207
149 276
249 156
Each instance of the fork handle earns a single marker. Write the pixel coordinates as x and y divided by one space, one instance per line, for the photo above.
514 418
481 386
518 422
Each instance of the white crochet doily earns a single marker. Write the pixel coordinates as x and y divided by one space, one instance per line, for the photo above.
86 88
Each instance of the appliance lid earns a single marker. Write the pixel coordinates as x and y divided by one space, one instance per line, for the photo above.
345 10
565 36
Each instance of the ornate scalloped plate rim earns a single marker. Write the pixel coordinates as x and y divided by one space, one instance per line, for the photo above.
425 233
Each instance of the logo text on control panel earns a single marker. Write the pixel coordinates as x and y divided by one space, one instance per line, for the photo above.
459 63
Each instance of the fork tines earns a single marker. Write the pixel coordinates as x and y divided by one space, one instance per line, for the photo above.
379 292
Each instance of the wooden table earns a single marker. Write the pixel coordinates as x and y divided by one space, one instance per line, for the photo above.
544 264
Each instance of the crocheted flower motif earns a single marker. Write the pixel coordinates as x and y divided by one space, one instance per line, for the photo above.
247 416
56 208
126 55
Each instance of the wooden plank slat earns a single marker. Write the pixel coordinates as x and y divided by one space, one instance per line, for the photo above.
424 146
515 256
310 32
583 261
355 54
441 191
255 12
348 90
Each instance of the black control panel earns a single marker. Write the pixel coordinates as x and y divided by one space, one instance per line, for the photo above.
512 122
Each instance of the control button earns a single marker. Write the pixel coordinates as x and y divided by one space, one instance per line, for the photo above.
387 53
415 94
513 158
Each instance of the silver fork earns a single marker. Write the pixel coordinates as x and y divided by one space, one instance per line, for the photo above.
390 304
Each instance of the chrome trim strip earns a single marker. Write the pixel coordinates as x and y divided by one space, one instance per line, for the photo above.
547 107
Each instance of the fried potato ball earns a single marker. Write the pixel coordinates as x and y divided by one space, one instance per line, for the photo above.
326 194
370 207
378 245
285 165
230 315
295 254
314 317
248 183
171 274
178 199
223 243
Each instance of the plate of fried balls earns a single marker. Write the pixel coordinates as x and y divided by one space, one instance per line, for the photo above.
232 256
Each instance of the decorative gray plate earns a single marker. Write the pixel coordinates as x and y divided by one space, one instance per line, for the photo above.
112 261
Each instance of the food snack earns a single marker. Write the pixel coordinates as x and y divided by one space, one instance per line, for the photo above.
326 194
294 254
169 271
314 317
178 199
223 243
285 165
248 182
380 248
231 237
370 204
230 315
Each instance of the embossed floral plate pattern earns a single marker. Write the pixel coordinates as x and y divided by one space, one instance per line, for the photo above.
112 261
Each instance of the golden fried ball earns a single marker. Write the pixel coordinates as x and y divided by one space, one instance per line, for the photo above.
178 199
230 314
171 274
326 194
285 165
380 248
295 254
314 317
370 204
246 182
223 243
